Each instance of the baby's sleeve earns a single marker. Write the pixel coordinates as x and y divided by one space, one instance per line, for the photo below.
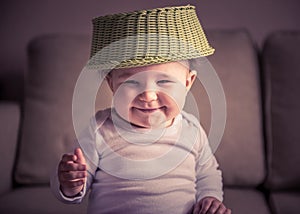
208 174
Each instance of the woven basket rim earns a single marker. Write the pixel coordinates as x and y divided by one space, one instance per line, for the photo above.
145 11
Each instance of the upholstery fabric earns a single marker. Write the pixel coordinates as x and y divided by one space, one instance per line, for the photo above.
37 200
241 152
285 202
281 65
245 201
55 62
9 128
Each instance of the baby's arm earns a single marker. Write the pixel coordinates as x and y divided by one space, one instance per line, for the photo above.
72 173
208 181
209 189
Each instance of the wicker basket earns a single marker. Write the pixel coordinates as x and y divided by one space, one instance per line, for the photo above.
147 37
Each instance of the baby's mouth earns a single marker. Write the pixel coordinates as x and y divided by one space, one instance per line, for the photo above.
149 110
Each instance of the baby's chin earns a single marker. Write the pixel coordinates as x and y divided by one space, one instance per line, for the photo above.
154 121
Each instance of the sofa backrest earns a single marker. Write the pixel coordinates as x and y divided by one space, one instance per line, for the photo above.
281 65
241 152
55 63
9 126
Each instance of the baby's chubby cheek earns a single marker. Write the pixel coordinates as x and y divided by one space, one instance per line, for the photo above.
176 99
122 103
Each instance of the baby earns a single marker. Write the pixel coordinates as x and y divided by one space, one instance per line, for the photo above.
145 154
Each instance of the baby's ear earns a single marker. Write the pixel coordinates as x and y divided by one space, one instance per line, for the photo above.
190 79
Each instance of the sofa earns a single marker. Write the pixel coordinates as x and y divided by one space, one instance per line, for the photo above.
258 153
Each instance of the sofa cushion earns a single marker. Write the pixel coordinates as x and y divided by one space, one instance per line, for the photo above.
285 202
281 66
241 151
9 128
37 200
55 62
245 201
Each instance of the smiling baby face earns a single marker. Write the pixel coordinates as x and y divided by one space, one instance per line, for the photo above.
151 96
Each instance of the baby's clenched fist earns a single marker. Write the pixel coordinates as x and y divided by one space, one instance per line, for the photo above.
72 173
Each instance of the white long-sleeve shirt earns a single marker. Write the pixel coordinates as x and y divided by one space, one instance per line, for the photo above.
133 170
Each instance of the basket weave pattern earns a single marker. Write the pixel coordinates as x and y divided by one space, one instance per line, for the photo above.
148 37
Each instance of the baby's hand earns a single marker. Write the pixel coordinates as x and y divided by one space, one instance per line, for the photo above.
72 173
210 205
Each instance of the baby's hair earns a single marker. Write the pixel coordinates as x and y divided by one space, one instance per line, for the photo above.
193 64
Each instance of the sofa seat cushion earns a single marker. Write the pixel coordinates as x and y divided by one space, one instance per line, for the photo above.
245 201
285 202
37 200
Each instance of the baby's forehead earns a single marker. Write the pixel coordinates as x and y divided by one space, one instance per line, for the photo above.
170 67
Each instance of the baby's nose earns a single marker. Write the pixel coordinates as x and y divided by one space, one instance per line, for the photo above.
148 96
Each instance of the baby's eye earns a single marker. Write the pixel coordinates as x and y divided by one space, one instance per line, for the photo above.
132 82
164 81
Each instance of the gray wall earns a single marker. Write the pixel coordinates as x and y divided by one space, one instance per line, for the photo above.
21 20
